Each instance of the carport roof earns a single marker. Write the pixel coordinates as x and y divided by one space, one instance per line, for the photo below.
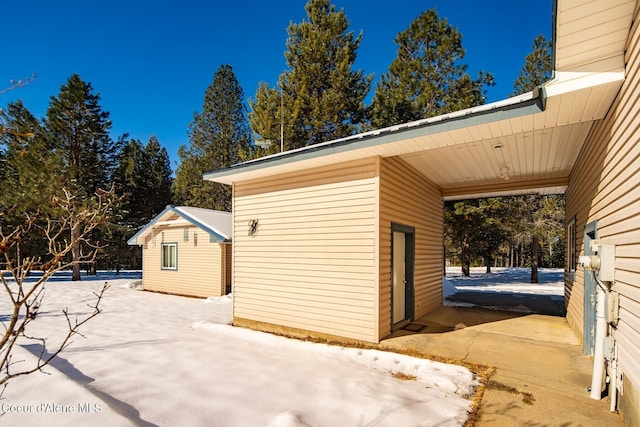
528 143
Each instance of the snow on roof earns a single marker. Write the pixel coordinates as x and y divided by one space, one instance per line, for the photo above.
216 223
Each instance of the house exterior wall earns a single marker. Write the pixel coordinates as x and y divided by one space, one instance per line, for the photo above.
407 198
312 262
199 263
605 186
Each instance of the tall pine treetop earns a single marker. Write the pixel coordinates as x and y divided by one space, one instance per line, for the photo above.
321 95
426 78
537 67
79 129
218 136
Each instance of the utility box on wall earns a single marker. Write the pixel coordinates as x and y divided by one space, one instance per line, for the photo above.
607 254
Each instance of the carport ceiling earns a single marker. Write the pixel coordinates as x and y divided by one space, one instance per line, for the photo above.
533 161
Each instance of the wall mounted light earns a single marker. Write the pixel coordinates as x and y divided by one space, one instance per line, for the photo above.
253 227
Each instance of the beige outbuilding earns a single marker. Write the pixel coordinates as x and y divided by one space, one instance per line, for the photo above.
186 251
344 238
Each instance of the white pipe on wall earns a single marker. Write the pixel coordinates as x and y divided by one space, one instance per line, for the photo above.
598 353
613 384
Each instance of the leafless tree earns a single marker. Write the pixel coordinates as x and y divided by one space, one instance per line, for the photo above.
71 228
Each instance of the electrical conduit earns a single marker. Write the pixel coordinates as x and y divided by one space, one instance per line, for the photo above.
598 353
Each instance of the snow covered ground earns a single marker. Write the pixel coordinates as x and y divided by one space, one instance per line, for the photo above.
152 359
504 281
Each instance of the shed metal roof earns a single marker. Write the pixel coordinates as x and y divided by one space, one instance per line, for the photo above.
216 223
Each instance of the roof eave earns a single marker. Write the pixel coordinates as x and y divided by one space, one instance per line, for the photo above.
528 103
215 235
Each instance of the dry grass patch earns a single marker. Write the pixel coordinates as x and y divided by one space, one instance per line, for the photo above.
403 376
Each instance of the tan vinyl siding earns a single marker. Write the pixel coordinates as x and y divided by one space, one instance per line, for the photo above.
311 264
199 263
605 186
408 198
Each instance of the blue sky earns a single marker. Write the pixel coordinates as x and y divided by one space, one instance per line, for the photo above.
152 61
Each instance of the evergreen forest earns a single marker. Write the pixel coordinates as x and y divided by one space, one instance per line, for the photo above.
320 96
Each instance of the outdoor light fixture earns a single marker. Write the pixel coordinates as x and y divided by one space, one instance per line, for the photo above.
253 227
504 173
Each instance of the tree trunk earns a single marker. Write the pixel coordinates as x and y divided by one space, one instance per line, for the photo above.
535 253
465 258
510 255
75 249
487 261
444 260
118 259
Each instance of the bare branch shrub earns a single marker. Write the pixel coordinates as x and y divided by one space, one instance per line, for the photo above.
70 230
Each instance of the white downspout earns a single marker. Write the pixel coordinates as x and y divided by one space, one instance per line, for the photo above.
613 382
598 353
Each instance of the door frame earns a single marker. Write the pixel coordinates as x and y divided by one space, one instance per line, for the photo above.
589 290
409 270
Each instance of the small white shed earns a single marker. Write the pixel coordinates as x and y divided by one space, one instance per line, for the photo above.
186 251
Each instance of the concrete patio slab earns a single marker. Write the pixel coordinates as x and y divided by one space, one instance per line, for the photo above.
541 376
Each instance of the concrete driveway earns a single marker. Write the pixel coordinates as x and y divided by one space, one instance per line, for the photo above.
511 301
541 376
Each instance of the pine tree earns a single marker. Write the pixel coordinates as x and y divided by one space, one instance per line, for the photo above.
143 175
322 96
80 129
160 179
79 132
128 178
271 120
536 70
475 229
219 136
537 67
27 161
426 78
25 175
549 221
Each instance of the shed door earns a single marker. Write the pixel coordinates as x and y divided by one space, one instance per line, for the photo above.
399 277
402 266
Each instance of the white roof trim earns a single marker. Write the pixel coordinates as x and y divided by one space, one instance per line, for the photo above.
216 223
521 105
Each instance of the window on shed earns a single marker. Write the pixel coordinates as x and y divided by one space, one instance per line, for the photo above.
186 234
169 256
